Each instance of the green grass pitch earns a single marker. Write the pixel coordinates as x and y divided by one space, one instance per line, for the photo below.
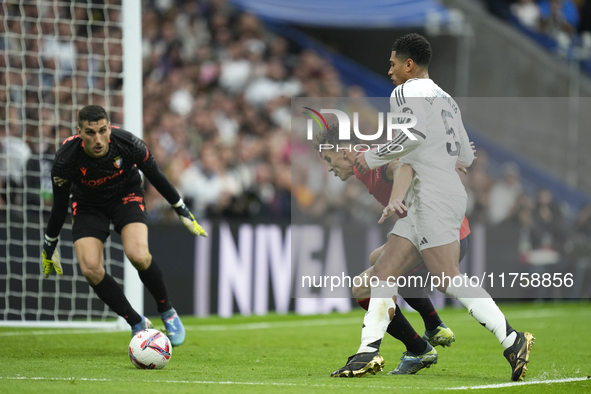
296 354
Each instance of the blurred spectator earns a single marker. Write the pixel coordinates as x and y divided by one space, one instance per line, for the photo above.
201 183
58 48
273 85
527 12
235 70
559 17
38 169
542 236
504 194
478 184
582 225
549 221
542 229
14 154
580 252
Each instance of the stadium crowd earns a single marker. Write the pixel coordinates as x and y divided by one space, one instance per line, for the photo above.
217 89
566 21
217 118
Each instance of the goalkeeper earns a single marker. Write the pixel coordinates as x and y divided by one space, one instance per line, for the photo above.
99 167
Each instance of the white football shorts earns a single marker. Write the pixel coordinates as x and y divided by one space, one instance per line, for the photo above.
432 220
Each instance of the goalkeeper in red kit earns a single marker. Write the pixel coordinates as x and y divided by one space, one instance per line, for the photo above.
99 168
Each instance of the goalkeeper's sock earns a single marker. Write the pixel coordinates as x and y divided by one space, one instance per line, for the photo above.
401 329
482 308
154 282
109 291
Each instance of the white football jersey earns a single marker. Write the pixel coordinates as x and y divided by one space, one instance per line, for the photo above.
445 144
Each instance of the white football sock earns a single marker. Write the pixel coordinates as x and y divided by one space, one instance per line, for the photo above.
482 308
377 317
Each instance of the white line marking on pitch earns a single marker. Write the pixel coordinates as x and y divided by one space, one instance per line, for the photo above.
532 314
502 385
489 386
210 327
280 324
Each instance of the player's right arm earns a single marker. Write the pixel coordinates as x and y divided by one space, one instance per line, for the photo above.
467 151
59 211
395 149
408 139
402 174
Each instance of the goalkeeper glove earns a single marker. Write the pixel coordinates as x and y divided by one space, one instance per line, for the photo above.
188 219
51 257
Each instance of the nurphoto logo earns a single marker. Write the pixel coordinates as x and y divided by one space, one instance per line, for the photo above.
394 121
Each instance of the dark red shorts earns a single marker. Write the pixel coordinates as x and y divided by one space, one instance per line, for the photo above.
94 221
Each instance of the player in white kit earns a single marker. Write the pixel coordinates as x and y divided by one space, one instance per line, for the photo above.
434 146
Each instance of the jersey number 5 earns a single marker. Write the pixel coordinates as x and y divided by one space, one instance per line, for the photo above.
449 130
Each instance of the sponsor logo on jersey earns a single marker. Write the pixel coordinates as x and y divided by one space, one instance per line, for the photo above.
59 181
98 182
117 162
83 170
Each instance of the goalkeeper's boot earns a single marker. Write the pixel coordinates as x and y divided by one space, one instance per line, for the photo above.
411 363
359 365
175 331
518 355
143 325
441 335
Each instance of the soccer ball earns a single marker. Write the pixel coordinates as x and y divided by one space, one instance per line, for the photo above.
150 349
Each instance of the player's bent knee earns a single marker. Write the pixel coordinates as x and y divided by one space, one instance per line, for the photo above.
94 272
141 261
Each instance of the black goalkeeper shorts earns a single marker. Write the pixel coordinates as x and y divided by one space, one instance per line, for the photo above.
93 221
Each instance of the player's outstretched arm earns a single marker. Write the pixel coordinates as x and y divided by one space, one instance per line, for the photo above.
398 147
402 175
188 219
168 191
51 257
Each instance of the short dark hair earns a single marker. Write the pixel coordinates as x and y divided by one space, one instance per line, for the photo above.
331 136
415 47
92 113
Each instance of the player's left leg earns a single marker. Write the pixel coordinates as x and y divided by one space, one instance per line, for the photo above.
399 326
436 332
135 244
398 255
90 230
440 261
419 353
